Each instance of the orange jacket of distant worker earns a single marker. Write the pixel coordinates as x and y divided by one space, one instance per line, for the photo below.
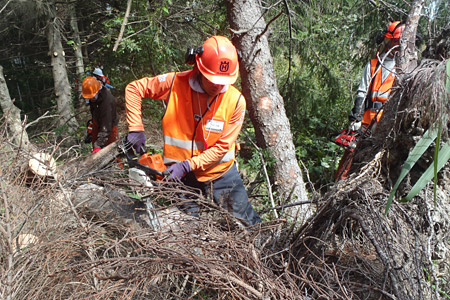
379 93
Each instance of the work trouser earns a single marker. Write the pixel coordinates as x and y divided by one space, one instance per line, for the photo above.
113 135
228 192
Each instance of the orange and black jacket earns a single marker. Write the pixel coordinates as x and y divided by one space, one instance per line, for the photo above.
105 119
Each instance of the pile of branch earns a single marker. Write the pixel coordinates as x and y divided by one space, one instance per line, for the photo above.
366 253
86 250
72 238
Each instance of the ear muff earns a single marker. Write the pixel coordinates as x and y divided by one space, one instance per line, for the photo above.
189 58
380 36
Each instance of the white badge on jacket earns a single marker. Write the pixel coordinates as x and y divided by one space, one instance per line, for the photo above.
214 125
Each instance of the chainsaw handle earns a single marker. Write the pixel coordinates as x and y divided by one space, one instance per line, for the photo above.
127 150
149 171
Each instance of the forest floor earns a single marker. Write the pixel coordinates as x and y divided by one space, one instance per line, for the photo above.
89 233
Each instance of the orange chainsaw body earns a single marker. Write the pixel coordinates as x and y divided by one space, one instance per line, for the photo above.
154 161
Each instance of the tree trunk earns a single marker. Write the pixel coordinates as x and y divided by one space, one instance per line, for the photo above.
264 102
408 53
11 113
122 28
60 79
79 66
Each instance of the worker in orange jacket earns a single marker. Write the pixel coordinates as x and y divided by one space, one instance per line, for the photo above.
373 91
203 117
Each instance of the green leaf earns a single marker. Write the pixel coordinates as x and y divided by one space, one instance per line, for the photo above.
436 158
421 146
428 174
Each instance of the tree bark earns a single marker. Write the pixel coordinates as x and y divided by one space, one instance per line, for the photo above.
264 102
79 65
60 79
16 130
96 161
408 53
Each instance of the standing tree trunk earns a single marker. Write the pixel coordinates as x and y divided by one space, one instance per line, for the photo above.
60 79
79 65
122 28
265 104
11 113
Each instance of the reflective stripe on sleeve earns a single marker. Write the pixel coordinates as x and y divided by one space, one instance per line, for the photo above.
227 157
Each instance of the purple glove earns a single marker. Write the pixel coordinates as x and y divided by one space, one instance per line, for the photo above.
137 139
178 170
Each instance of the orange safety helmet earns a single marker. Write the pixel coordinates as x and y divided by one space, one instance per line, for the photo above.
395 30
219 61
91 86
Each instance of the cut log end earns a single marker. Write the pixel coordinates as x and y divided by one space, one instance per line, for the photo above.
42 168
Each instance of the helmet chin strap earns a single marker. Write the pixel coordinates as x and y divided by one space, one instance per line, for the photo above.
381 47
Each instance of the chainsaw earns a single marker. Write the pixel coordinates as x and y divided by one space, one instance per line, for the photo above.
146 169
347 138
89 127
151 165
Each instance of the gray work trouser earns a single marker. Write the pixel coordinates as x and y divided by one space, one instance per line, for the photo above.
228 192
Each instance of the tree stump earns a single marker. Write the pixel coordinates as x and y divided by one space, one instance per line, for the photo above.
41 169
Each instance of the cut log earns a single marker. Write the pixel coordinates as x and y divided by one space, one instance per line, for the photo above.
23 241
100 159
41 169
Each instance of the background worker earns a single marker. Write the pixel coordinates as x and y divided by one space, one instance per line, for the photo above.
204 115
373 91
98 73
103 111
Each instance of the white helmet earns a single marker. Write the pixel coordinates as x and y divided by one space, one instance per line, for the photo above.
98 72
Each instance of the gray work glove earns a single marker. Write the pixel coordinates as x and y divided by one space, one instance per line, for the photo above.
354 126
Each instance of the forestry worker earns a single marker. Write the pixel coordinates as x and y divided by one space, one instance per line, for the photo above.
103 111
203 117
374 89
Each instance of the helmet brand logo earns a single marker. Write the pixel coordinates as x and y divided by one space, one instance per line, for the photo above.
224 66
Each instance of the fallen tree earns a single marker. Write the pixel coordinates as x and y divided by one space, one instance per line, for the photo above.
402 254
84 247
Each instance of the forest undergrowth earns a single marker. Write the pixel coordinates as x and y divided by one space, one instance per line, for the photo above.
87 236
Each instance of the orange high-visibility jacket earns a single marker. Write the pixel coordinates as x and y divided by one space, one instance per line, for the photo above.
204 134
379 93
